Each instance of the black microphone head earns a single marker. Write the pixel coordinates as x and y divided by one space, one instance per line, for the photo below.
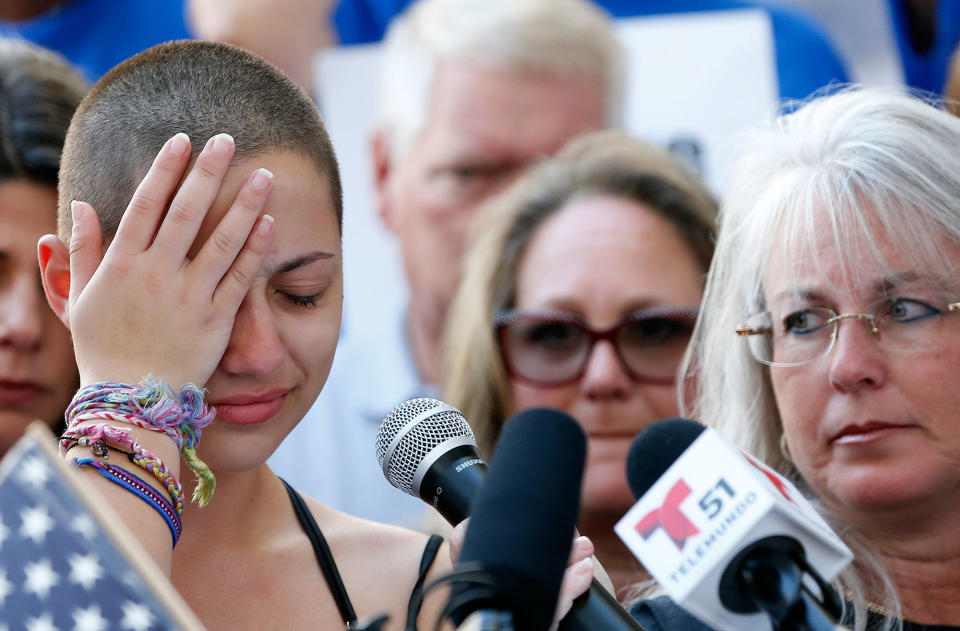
523 521
411 432
656 448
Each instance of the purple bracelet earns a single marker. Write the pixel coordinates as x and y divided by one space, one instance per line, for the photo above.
141 488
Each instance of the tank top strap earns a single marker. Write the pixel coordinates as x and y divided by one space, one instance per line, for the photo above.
416 597
323 554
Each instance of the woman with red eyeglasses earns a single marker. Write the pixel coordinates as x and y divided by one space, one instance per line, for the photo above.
580 291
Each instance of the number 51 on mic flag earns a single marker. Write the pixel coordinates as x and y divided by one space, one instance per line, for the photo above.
65 561
711 503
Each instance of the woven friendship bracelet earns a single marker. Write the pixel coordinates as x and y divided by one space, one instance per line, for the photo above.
139 487
90 435
155 406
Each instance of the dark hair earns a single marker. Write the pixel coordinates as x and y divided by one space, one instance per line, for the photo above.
199 88
39 92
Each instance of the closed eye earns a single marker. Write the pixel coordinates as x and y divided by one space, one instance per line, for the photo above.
301 301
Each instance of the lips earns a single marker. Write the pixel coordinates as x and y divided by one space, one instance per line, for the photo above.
868 431
18 393
250 409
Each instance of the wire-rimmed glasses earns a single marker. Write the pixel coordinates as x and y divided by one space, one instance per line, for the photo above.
552 348
793 337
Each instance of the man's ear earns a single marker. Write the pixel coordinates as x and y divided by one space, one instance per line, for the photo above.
54 260
382 166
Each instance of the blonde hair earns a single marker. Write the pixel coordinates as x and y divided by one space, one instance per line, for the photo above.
555 37
850 167
602 163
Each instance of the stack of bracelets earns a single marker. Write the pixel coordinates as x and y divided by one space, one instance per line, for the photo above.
155 406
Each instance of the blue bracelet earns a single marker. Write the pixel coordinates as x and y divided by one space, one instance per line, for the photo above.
141 489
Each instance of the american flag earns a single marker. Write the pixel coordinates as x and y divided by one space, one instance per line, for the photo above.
60 570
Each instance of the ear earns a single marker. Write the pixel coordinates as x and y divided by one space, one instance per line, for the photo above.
380 156
54 260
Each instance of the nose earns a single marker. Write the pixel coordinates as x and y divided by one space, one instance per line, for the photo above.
23 313
857 361
255 348
604 376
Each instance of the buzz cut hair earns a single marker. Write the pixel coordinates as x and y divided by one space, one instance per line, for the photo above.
199 88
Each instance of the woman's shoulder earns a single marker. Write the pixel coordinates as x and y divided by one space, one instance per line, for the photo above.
373 548
372 535
381 565
661 613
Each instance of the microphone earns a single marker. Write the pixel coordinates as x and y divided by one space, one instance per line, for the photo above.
729 539
426 449
523 521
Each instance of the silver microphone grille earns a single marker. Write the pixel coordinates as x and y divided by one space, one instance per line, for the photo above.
410 432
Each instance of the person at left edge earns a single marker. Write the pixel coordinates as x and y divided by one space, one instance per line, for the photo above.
38 93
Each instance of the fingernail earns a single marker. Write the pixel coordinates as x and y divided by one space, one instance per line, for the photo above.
265 224
584 543
223 143
179 144
76 211
584 566
262 179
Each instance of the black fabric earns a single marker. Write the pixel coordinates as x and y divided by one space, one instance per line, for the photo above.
324 556
662 614
329 567
416 597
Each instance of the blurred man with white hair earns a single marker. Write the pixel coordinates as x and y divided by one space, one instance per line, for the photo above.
470 94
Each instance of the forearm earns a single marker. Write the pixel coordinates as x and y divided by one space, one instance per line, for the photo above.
144 523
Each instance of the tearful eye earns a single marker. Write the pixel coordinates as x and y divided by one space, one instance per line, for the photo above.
301 301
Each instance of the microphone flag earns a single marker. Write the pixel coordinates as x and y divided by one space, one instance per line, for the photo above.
712 502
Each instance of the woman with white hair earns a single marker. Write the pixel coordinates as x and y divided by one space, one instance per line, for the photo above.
829 338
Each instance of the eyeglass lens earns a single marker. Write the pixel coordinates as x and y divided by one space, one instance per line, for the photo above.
903 325
553 351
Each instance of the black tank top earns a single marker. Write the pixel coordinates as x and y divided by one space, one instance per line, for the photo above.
332 575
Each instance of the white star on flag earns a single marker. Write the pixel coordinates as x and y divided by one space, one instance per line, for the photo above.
6 588
36 523
89 619
40 578
34 472
84 526
4 532
136 617
85 570
43 623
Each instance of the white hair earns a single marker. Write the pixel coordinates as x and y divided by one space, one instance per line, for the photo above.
851 167
554 37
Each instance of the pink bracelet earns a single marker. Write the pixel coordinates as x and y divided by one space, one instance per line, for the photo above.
88 434
154 406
